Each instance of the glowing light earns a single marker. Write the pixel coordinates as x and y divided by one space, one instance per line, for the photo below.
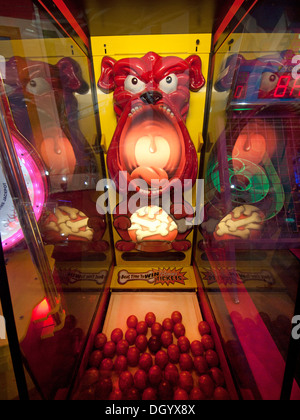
41 311
35 185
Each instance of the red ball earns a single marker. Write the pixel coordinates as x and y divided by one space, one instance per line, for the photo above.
116 335
180 395
206 385
179 330
133 356
204 328
157 329
167 339
183 344
149 394
141 343
120 364
201 365
142 328
130 336
212 358
133 394
197 348
95 358
106 367
197 395
155 375
173 353
122 348
154 344
116 395
145 362
208 342
109 350
132 321
176 317
217 376
161 359
140 379
171 374
103 389
168 324
186 381
125 381
100 341
186 362
221 394
150 318
165 391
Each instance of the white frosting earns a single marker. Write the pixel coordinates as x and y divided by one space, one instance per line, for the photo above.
68 225
161 224
240 228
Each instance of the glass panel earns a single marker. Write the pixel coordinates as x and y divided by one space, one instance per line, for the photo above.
246 249
57 245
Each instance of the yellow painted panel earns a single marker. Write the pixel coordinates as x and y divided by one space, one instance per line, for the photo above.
164 277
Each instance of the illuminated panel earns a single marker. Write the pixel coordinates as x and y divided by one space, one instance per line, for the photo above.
10 228
282 87
285 87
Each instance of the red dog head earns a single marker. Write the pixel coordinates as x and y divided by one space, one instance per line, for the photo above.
151 100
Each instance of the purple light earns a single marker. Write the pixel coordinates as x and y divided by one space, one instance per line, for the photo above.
36 188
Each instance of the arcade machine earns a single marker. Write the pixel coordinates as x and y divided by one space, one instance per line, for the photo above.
248 245
56 245
151 100
183 313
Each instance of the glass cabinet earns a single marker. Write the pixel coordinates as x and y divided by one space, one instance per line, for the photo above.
149 200
56 245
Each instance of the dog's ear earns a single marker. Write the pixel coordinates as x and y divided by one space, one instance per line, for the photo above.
226 76
71 76
197 80
106 80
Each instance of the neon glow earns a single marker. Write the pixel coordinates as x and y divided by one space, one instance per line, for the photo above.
41 311
240 92
10 228
242 85
287 87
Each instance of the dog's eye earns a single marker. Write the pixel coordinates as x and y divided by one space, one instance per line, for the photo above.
133 84
38 86
169 83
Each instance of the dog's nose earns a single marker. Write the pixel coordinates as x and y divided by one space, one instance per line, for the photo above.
151 97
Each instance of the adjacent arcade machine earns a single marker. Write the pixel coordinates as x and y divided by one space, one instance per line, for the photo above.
56 245
249 239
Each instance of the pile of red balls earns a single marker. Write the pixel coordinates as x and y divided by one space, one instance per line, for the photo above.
164 367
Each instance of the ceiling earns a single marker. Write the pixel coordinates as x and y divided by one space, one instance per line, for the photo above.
133 17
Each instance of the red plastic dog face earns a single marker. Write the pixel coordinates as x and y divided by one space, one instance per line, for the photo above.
151 100
44 107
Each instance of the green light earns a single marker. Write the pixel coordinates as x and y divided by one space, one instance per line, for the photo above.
242 109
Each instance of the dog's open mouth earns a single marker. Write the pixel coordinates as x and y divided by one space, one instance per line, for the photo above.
152 145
